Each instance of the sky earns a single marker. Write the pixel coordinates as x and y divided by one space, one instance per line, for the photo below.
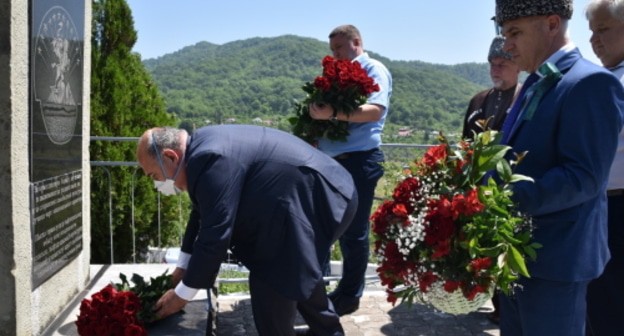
442 32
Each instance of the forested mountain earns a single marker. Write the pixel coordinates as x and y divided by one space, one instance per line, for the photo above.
260 77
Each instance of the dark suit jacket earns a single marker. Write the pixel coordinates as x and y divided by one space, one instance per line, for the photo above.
273 199
571 141
484 105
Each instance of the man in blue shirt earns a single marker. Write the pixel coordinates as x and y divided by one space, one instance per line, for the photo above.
361 156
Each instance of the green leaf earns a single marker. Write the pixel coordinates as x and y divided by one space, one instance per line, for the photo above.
497 210
517 177
510 239
491 251
530 252
491 156
516 262
504 170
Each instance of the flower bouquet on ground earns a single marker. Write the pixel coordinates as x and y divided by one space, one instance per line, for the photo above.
121 309
451 234
345 86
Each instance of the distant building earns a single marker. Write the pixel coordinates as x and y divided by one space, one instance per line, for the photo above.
405 132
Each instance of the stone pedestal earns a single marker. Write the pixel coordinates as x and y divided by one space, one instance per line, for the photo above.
44 160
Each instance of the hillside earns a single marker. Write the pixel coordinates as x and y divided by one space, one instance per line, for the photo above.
259 78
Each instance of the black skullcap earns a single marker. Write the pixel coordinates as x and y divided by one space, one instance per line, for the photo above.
514 9
496 49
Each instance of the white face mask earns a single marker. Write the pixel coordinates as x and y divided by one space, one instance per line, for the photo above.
166 187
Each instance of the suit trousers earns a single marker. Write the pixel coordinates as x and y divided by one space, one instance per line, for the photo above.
605 295
274 314
544 308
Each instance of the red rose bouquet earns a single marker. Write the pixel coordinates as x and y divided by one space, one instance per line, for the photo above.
345 86
121 309
451 234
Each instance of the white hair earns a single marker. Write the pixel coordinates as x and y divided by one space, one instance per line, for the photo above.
615 8
164 137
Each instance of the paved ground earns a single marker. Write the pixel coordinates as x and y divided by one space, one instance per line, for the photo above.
375 317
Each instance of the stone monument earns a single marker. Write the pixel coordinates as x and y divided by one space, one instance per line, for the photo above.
44 160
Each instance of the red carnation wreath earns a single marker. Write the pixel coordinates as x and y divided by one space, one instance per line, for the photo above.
445 235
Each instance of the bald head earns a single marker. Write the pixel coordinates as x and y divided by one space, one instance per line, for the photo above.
160 138
164 144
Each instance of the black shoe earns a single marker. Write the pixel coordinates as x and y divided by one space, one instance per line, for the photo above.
344 305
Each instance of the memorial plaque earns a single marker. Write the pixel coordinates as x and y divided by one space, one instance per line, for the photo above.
56 68
57 223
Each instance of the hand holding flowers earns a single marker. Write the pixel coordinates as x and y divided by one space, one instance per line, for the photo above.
344 86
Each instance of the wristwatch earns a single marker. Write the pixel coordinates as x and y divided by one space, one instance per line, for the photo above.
334 116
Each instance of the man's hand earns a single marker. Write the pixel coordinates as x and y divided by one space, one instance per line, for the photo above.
177 275
168 304
321 111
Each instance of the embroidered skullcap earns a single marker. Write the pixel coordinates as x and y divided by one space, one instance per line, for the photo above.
496 49
514 9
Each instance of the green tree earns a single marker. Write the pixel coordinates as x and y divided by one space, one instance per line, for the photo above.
124 102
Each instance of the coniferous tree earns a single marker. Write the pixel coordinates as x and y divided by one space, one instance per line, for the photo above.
124 103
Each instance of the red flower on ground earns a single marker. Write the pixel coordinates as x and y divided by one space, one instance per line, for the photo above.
121 309
110 312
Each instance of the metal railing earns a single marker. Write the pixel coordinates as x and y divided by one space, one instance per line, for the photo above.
107 165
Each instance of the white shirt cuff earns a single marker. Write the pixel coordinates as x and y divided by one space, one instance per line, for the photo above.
183 260
185 292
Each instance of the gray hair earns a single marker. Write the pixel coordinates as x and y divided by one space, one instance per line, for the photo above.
164 137
615 8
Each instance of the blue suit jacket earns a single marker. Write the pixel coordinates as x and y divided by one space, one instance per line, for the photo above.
571 141
273 199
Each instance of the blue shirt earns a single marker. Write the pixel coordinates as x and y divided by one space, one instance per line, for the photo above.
367 135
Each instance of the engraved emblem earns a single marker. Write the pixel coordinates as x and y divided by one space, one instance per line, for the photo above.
58 55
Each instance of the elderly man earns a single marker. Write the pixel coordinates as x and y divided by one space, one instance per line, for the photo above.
567 116
271 198
488 108
605 295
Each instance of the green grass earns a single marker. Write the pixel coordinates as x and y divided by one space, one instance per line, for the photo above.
229 288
